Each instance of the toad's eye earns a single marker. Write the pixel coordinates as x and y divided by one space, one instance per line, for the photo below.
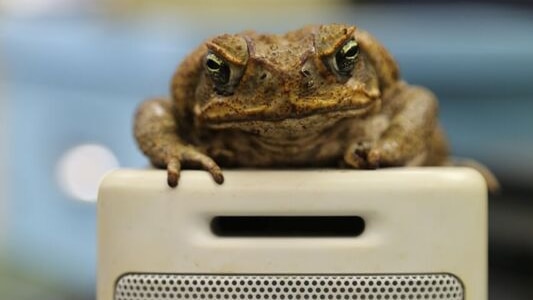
224 75
218 69
343 61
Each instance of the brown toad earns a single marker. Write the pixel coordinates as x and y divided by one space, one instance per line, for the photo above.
319 96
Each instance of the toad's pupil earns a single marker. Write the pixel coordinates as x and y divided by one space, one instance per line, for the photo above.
213 65
352 52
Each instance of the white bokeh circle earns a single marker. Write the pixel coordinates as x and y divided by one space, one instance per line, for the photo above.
81 168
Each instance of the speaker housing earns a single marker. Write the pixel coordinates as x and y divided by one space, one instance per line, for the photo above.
423 236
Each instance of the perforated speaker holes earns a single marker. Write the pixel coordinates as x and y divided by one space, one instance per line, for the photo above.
287 287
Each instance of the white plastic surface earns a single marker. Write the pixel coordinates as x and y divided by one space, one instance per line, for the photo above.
418 220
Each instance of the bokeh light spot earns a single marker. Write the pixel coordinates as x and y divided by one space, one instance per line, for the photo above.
81 169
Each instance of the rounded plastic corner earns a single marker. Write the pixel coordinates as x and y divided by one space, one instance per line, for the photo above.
107 180
108 177
478 180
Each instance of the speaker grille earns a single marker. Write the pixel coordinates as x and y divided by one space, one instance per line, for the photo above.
288 287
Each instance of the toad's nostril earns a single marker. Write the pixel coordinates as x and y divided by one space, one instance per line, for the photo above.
263 76
305 73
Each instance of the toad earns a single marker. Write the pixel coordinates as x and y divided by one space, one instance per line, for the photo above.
320 96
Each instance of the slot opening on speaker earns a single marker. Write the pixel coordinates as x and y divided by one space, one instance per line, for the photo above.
287 226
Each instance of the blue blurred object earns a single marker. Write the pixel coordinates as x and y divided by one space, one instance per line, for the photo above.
69 82
73 81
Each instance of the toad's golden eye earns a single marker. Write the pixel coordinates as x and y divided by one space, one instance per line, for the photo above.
224 75
218 69
343 61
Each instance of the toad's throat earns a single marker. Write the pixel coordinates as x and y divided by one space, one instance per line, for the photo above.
262 115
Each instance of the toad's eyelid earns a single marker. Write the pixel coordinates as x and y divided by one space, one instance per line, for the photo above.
232 48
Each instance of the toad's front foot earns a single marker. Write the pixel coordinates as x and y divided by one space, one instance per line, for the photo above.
387 152
361 156
190 157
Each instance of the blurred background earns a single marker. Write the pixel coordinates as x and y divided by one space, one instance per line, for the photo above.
73 71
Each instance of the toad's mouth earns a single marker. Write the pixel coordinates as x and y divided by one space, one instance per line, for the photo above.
231 118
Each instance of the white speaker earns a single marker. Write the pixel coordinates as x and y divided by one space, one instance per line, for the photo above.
405 233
